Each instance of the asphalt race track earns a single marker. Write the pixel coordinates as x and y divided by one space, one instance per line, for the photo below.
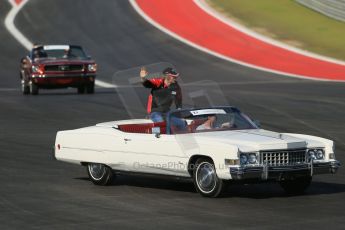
38 192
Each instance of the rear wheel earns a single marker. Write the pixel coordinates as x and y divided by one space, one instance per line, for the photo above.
33 88
81 89
205 178
296 186
100 174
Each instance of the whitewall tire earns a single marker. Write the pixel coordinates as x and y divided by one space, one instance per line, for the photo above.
205 178
100 174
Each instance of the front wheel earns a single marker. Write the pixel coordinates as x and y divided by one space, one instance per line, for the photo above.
33 88
90 88
296 186
100 174
25 88
205 178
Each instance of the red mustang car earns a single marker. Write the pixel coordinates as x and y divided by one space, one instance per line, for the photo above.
57 66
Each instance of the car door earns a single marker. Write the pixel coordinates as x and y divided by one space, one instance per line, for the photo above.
152 154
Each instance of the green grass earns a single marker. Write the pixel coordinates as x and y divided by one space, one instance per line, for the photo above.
289 22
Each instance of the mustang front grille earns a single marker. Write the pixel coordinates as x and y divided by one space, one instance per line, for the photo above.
283 157
63 68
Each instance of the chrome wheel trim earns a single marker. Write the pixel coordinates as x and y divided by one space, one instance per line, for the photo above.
23 85
97 171
206 178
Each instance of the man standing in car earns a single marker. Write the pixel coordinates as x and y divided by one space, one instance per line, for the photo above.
164 92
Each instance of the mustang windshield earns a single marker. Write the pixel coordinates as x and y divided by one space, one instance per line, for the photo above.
59 52
210 119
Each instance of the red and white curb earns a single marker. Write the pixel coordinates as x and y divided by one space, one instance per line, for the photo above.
17 5
240 45
211 11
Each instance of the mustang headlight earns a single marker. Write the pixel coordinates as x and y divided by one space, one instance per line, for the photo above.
34 68
92 67
243 159
37 69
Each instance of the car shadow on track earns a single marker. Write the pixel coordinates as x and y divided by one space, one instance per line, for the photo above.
251 191
273 190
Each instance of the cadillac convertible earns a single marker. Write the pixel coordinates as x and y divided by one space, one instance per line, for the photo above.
57 66
211 145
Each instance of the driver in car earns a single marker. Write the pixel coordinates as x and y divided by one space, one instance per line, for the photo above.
210 123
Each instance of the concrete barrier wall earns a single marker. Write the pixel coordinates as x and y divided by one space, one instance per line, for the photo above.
331 8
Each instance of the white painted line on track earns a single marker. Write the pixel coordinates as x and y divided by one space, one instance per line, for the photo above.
8 89
12 3
204 49
9 24
104 84
214 13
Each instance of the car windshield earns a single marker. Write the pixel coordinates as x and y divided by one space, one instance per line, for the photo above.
59 52
209 119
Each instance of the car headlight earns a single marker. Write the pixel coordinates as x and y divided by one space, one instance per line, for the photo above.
92 67
248 158
34 68
316 154
252 158
319 154
37 69
243 159
311 154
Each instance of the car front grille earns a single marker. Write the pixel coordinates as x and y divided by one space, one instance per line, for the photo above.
63 68
283 157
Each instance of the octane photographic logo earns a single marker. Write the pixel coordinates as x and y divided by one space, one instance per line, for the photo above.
194 94
172 166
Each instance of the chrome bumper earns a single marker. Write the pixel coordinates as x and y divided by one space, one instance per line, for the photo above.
283 172
63 75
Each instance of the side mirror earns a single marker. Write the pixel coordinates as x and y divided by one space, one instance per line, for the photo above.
257 123
156 131
88 57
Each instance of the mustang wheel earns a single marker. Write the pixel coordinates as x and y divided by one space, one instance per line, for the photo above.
25 88
81 89
90 88
296 186
33 88
100 174
205 178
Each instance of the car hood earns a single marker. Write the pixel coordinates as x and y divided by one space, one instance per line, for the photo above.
50 61
251 140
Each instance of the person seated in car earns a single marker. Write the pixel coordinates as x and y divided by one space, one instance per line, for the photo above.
36 54
210 123
66 53
39 53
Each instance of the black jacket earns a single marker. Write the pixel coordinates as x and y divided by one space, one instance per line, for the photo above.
162 96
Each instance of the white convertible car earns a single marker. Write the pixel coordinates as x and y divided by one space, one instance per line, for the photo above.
211 145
